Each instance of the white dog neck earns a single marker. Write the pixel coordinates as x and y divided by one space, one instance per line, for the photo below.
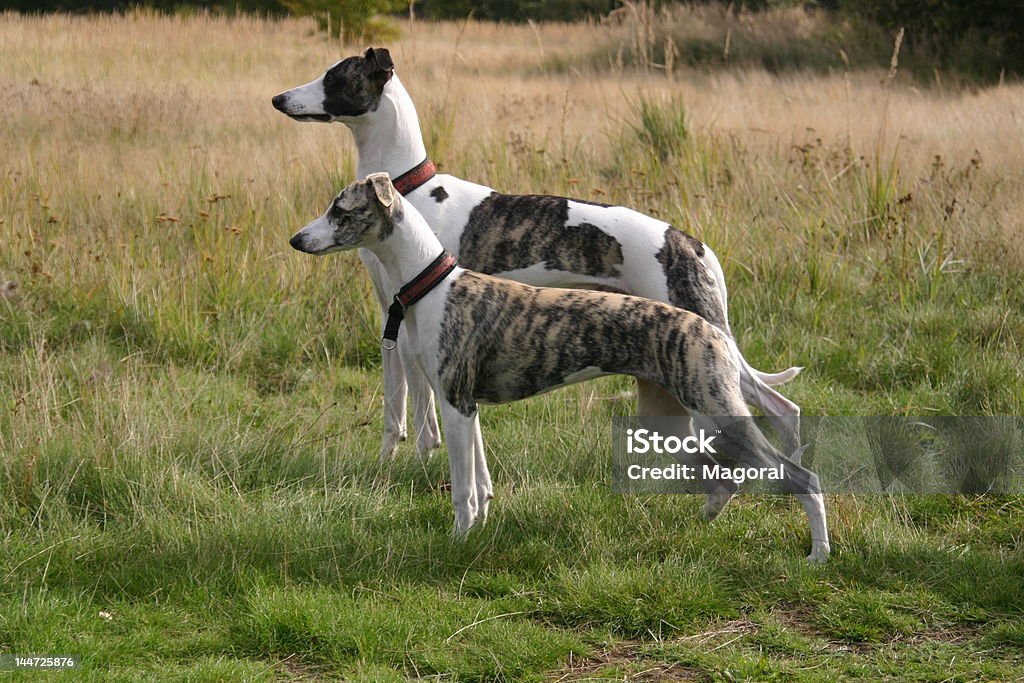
389 139
410 247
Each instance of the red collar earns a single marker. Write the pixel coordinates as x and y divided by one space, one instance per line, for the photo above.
414 177
414 290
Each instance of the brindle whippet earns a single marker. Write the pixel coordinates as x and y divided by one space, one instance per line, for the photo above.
478 338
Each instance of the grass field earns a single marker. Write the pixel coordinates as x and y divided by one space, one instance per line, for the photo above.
190 411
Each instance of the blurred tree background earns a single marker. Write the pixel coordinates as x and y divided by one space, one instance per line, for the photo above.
351 20
983 38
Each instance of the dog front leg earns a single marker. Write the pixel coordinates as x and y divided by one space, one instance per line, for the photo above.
395 388
395 394
428 433
460 435
484 489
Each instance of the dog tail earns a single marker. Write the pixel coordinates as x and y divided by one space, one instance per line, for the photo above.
771 379
781 412
777 378
760 393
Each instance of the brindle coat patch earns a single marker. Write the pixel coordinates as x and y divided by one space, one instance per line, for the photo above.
502 341
690 285
507 232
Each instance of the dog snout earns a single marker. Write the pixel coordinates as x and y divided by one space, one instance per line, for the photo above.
298 241
279 101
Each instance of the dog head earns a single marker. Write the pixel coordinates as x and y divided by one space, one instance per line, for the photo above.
362 214
349 89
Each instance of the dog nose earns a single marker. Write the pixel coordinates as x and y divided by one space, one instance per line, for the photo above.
296 241
279 101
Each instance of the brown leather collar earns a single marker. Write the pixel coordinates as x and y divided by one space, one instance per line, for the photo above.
411 292
415 177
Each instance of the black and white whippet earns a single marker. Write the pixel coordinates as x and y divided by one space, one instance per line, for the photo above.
478 338
535 239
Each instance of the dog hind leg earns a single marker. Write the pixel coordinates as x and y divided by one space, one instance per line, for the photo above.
744 442
655 401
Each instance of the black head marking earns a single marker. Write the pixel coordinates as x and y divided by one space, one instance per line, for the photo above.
379 59
353 86
439 194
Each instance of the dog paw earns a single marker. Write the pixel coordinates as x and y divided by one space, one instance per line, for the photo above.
712 507
389 445
484 498
463 525
716 501
819 553
709 512
426 445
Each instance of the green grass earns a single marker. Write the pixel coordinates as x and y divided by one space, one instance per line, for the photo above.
260 539
190 417
295 559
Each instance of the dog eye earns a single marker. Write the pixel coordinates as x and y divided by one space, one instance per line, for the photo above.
329 78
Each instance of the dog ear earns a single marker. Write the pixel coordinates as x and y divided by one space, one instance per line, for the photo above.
385 191
379 60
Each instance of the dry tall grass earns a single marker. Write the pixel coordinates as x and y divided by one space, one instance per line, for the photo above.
118 75
149 187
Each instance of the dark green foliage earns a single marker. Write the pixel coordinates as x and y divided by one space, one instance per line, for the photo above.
352 20
271 7
985 38
950 44
516 10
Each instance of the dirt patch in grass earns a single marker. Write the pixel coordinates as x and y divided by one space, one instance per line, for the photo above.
627 660
799 620
624 662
